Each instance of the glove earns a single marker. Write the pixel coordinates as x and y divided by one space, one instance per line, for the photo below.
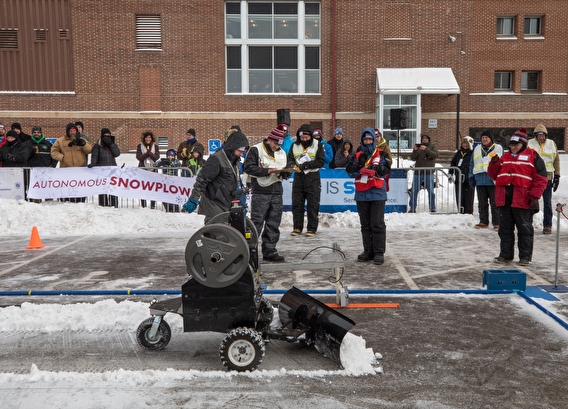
79 141
555 182
10 157
184 153
72 143
362 159
381 170
106 141
451 178
303 166
472 182
190 205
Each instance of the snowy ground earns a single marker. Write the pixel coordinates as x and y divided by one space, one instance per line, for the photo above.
150 388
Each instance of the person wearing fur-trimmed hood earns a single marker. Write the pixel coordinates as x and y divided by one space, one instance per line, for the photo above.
369 167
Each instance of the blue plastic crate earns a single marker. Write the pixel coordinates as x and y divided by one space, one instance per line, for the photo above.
505 280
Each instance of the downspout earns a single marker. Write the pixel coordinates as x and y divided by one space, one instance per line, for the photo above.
458 144
333 66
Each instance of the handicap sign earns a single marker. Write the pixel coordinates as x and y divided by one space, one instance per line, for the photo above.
214 145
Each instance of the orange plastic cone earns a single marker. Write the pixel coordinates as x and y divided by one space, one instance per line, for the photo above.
35 241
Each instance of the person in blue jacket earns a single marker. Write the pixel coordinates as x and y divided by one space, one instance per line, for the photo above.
327 150
369 168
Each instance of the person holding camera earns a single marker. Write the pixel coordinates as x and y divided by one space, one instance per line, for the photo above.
263 164
71 151
370 167
103 154
424 154
216 184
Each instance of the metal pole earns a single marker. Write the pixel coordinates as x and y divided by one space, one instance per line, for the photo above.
558 211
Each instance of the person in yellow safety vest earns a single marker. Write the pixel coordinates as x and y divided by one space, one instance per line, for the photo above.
478 179
548 151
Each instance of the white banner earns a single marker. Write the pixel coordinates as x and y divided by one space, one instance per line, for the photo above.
127 182
11 183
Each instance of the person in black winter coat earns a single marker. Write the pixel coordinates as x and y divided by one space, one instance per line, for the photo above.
41 150
461 159
15 153
168 164
104 153
216 184
308 156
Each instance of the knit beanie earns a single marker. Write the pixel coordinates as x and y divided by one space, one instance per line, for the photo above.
277 135
487 133
519 136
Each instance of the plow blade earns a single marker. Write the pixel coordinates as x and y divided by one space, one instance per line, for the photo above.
324 327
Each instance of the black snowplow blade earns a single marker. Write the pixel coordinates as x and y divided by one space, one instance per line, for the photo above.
325 327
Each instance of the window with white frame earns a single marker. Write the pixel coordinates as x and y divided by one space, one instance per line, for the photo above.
506 26
533 26
407 136
530 81
272 47
148 32
503 81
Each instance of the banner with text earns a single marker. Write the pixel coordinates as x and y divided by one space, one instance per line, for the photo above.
338 192
127 182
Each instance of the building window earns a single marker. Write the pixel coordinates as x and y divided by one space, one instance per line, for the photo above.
506 26
530 81
407 136
9 38
503 81
533 26
272 47
148 33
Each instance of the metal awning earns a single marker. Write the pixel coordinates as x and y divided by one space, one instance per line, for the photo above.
416 81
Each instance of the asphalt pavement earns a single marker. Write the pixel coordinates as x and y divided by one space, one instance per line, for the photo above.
439 350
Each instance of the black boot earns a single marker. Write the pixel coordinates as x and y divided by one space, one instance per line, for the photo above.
379 258
365 256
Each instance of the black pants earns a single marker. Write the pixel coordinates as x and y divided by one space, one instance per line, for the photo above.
486 198
306 188
522 219
266 215
171 208
144 204
373 227
467 196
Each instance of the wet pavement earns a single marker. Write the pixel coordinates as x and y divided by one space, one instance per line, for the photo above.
439 350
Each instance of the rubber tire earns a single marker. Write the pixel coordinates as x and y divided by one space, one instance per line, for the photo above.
164 334
242 350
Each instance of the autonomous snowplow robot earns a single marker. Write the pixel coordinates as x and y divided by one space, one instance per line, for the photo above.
223 294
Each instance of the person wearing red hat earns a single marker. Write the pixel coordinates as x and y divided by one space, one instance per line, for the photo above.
520 179
263 164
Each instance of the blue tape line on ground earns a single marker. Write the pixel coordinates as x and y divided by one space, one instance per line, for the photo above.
543 309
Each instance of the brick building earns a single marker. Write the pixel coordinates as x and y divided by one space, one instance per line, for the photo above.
456 67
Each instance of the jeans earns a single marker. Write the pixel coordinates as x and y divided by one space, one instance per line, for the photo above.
547 204
426 178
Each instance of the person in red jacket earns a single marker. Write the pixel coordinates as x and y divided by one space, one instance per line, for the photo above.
520 179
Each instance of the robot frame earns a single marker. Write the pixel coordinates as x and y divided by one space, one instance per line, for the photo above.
223 294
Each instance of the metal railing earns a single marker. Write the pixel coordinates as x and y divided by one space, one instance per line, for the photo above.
432 184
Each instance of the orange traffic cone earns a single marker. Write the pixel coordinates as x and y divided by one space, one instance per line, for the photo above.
35 241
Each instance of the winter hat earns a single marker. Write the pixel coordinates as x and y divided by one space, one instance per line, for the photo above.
338 131
16 125
519 136
79 123
540 128
283 126
12 133
424 134
487 133
277 135
2 126
105 130
304 129
171 152
36 128
378 134
367 135
469 141
191 131
68 128
317 132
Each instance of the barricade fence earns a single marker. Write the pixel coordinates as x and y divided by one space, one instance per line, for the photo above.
337 194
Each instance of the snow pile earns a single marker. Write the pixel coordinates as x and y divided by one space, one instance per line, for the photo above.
356 358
